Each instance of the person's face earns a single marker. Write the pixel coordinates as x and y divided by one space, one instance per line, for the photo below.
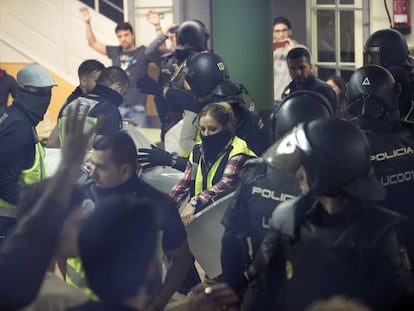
209 125
88 82
68 239
281 32
299 69
126 39
303 180
105 173
334 87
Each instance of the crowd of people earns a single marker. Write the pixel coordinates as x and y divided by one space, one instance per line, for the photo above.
321 213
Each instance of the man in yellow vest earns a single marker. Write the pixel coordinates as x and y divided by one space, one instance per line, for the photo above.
21 156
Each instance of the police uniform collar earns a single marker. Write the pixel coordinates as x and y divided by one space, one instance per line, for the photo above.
128 187
108 94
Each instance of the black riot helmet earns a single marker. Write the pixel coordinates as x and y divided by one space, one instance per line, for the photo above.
335 155
386 47
191 36
372 94
299 107
204 71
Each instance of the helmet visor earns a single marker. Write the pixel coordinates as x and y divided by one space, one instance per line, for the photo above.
287 154
372 56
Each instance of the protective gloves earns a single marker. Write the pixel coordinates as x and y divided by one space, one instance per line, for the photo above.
154 157
159 157
149 86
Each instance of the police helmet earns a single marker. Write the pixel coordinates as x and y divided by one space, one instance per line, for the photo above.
205 71
385 47
300 106
335 155
192 35
372 93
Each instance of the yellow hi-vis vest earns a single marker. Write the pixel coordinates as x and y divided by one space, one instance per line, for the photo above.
87 103
28 176
202 182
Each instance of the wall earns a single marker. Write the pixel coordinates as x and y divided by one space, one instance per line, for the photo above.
246 47
200 10
379 18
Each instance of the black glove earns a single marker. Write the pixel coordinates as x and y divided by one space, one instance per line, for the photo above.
149 86
154 157
185 99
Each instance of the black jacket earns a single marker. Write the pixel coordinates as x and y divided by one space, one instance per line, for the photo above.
313 84
104 103
261 190
314 255
393 161
168 218
17 145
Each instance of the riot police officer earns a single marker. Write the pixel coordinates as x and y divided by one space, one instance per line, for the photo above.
372 103
333 239
263 188
388 48
191 37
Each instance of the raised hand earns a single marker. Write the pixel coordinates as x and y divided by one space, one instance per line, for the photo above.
76 141
153 17
85 14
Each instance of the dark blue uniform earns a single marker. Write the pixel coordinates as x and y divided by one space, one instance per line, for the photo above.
313 255
169 220
313 84
393 161
261 190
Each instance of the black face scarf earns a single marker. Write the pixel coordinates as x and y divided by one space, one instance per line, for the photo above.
33 104
214 144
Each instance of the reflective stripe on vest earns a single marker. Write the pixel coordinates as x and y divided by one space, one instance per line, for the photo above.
239 147
75 276
28 176
7 209
85 103
37 172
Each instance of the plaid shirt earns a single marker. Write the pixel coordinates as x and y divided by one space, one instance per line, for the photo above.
227 183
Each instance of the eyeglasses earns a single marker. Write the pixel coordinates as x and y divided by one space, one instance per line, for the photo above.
281 30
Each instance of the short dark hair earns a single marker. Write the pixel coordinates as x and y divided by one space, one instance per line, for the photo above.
90 66
122 146
282 20
30 195
117 244
111 75
299 52
124 26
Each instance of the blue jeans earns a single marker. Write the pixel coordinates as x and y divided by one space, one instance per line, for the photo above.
135 113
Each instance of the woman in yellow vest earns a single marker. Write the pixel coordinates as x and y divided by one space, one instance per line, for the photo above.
215 164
